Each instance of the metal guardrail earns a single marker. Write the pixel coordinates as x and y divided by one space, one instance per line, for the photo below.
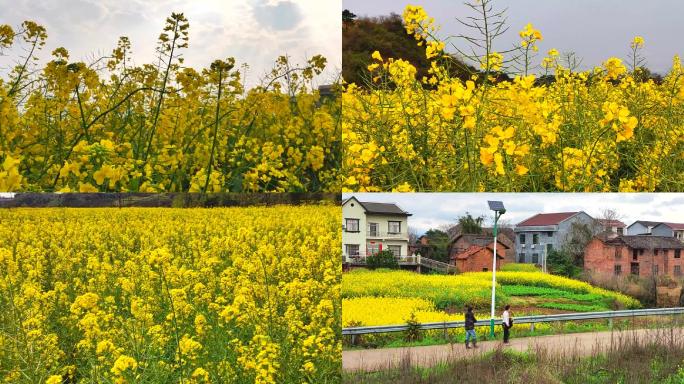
520 320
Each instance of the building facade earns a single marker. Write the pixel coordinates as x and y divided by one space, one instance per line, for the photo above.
368 228
641 227
636 255
538 235
461 242
675 230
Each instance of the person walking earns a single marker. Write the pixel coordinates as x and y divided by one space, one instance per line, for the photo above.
507 323
470 327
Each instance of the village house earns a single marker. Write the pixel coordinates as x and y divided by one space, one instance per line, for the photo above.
421 246
637 255
478 258
641 227
615 227
460 242
538 235
368 228
675 230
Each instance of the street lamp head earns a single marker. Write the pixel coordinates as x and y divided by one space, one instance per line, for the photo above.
497 206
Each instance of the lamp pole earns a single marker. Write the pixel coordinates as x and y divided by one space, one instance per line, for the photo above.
498 208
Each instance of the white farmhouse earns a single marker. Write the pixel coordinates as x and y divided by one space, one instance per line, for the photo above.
368 228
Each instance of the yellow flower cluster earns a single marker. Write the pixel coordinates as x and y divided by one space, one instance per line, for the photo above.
142 129
530 36
599 130
233 295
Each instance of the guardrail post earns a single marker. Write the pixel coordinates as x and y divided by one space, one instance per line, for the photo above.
531 327
610 323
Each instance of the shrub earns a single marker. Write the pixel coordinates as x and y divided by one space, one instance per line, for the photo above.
382 259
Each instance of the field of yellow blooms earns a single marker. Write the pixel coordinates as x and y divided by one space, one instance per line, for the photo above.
601 130
112 126
224 295
390 297
385 297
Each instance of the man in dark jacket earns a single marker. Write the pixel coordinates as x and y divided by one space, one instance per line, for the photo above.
470 327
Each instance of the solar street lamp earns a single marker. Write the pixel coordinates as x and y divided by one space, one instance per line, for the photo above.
498 208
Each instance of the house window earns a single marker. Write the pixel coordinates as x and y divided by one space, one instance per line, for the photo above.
620 231
522 238
678 270
549 234
394 227
352 250
352 225
521 257
641 252
655 252
617 269
395 249
535 238
373 248
665 252
678 253
373 229
634 269
535 258
618 254
635 254
485 269
655 269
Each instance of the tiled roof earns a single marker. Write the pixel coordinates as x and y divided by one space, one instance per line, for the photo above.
383 208
675 226
473 249
647 223
541 219
612 223
648 242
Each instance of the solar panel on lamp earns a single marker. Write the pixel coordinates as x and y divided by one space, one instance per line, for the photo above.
496 206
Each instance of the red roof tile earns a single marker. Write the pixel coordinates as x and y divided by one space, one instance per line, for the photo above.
675 226
473 249
546 219
612 223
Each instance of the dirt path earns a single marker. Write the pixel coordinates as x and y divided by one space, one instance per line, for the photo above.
582 343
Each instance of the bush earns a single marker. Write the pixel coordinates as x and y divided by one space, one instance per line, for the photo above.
519 267
561 263
382 259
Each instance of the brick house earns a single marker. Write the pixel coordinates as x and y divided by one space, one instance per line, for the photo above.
478 258
636 255
461 242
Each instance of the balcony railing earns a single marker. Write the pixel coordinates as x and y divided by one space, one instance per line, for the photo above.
360 259
386 235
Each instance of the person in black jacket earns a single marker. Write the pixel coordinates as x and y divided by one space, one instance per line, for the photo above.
470 327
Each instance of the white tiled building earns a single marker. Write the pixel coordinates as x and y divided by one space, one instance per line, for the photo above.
368 228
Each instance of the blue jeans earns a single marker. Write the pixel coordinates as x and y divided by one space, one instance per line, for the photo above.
470 333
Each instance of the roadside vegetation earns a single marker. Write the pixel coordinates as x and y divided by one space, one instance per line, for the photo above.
630 360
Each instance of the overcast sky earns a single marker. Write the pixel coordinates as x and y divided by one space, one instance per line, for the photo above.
252 31
430 210
595 30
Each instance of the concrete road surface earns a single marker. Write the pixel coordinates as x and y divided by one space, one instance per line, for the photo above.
582 343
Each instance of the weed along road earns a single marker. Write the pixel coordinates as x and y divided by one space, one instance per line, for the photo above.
577 343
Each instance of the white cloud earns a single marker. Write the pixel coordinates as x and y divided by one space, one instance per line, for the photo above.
255 32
